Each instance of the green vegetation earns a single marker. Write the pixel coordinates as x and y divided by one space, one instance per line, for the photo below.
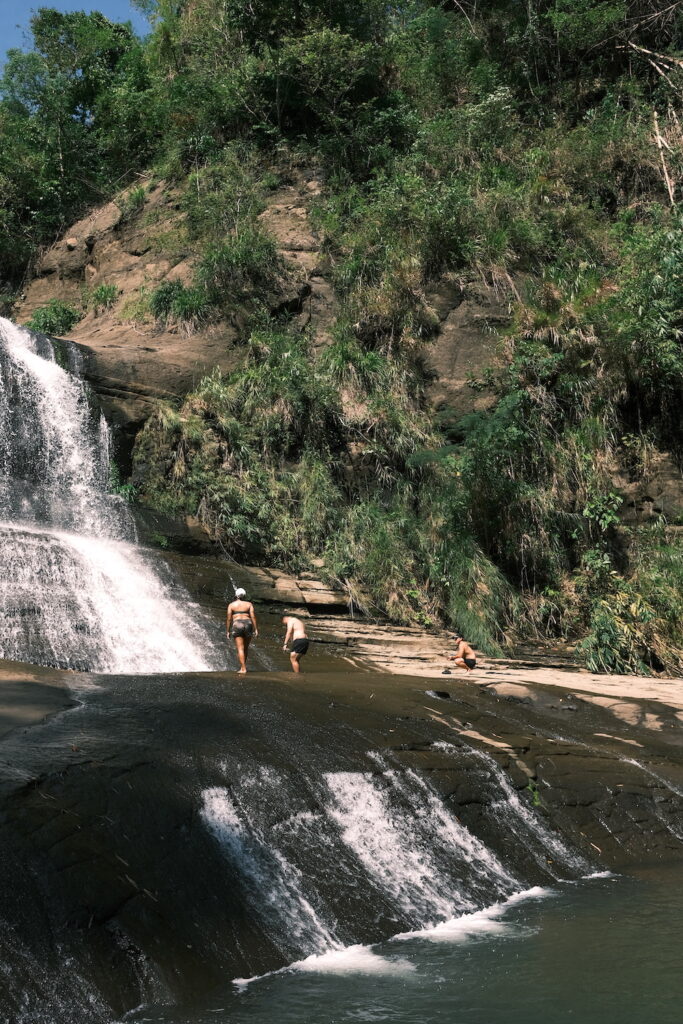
127 491
536 147
172 302
102 297
136 308
131 203
244 262
233 271
54 318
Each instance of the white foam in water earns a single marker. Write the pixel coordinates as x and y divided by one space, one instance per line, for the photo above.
478 923
354 960
73 593
357 959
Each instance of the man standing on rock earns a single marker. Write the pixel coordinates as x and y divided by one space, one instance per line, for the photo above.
241 625
296 632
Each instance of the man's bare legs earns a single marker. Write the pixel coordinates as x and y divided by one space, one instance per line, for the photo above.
242 645
294 659
460 662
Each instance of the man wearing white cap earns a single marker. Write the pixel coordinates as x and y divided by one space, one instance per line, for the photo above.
241 625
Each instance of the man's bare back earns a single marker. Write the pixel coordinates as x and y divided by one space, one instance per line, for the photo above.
296 636
464 656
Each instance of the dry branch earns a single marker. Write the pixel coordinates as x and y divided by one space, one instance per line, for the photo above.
660 146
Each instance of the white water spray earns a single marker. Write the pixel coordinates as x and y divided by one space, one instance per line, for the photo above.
275 885
407 841
74 590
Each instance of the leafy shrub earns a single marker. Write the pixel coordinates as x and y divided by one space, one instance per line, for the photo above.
55 318
619 635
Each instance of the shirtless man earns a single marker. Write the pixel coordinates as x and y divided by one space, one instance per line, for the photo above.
296 632
464 656
241 625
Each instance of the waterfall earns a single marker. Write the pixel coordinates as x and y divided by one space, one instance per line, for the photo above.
75 589
378 846
399 830
520 820
275 886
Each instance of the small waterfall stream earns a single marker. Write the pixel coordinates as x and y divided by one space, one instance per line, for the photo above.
388 846
75 589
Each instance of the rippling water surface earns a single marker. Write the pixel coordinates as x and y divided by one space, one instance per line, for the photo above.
606 950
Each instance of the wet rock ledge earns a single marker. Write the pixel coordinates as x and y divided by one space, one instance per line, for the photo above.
114 891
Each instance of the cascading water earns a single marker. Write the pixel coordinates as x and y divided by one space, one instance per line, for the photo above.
403 836
381 844
275 886
75 590
543 844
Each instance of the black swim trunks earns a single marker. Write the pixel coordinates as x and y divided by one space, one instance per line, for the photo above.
470 662
300 646
242 627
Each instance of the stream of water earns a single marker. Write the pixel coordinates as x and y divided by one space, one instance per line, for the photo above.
474 944
76 591
601 951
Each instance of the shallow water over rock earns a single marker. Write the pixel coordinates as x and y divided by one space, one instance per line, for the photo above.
169 833
603 949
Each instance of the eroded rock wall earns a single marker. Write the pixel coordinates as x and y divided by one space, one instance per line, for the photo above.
133 364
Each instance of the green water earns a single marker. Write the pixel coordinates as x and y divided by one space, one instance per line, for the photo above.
600 951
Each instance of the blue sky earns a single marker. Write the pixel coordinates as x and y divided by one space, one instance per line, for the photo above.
16 14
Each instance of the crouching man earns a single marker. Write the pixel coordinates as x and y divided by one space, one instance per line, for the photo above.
464 656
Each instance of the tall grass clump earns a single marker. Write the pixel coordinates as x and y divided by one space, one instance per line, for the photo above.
244 261
172 302
131 203
104 296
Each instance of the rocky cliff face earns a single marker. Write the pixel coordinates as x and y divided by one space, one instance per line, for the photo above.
132 363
